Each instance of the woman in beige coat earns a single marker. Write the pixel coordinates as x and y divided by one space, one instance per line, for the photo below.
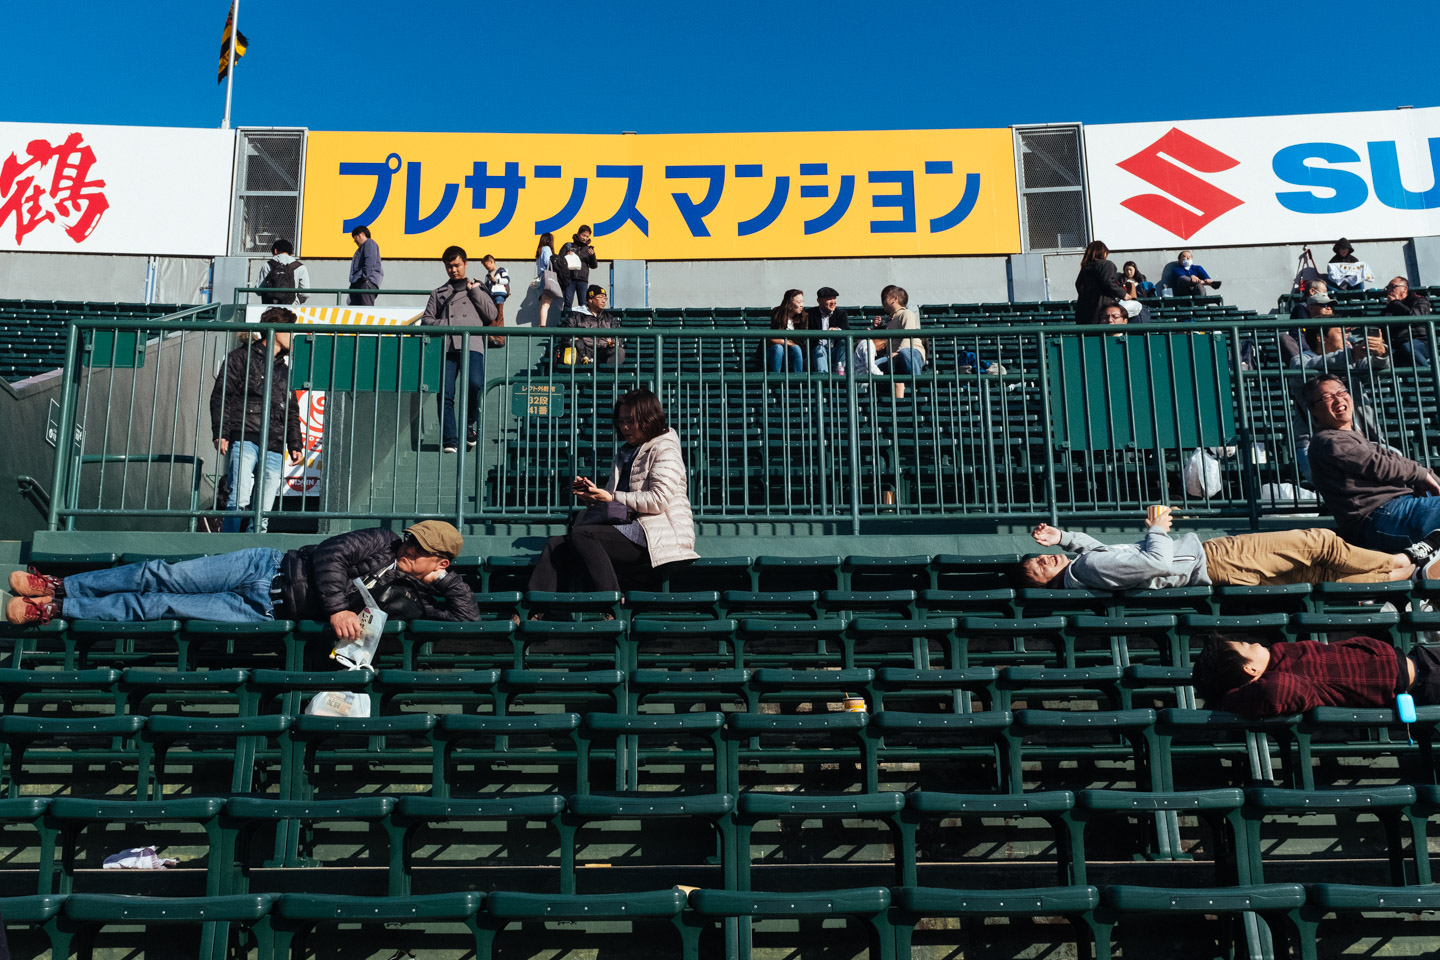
639 521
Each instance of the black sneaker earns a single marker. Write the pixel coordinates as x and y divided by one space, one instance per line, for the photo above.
472 436
1422 551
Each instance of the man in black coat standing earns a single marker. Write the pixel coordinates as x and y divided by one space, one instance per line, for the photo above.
826 316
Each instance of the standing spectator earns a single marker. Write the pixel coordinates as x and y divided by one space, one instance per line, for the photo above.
592 316
1097 285
283 272
1412 348
366 271
238 410
1186 278
780 352
1379 498
826 316
1134 281
544 254
497 284
579 258
460 302
640 521
906 356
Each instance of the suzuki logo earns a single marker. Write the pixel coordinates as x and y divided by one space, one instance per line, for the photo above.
1203 202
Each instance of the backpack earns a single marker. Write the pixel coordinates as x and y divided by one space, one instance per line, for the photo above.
281 276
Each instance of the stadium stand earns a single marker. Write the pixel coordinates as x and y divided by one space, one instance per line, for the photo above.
33 331
1029 771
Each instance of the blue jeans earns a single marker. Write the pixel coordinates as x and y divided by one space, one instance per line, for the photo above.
1413 353
777 354
908 360
577 289
1395 525
820 356
241 475
229 586
449 433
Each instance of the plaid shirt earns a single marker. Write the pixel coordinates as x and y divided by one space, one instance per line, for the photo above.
1359 672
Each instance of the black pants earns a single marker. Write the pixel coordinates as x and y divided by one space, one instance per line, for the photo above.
362 297
1426 689
597 552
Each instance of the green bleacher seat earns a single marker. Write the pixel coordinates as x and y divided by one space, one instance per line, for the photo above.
87 913
297 915
913 903
505 907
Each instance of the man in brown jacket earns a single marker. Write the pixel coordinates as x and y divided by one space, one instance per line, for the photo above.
1380 499
460 302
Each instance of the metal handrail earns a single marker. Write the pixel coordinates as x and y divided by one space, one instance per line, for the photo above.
1022 445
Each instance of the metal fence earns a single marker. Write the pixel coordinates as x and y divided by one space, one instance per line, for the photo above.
1021 422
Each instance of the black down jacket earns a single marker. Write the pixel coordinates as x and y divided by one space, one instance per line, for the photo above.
237 403
317 578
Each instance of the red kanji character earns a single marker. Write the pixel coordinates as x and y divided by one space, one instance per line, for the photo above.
69 199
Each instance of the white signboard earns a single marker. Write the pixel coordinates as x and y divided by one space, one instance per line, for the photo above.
85 188
1261 180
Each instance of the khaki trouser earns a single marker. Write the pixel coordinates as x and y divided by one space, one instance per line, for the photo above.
1293 556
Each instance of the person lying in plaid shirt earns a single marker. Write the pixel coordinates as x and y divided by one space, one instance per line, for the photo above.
1251 678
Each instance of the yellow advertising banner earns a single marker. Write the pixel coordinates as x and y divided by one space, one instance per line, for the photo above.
665 197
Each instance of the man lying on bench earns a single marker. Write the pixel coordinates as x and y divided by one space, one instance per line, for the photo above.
1284 556
1248 677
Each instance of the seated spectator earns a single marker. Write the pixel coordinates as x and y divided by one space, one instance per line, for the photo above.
1412 348
905 356
1134 281
781 352
311 583
592 316
639 522
1380 499
1333 348
1186 278
238 410
1255 679
1300 307
1097 284
1345 271
1249 559
1116 314
825 315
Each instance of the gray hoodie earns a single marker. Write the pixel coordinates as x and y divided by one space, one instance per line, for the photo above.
1156 561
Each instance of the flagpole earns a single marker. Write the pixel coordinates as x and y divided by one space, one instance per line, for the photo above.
230 72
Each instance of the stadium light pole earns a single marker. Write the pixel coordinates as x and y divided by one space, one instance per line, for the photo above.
230 70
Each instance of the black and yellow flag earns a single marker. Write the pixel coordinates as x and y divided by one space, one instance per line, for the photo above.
240 45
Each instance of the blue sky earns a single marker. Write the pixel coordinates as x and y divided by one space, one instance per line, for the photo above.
735 66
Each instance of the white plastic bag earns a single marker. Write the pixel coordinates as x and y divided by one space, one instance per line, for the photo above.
359 654
339 703
1202 474
1286 495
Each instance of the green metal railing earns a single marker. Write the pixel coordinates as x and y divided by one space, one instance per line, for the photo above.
1082 422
